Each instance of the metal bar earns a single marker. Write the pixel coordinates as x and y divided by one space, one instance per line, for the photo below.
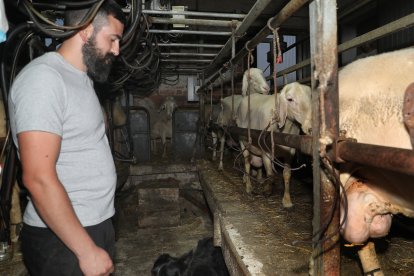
301 142
188 54
355 6
393 159
190 45
193 13
155 31
176 71
184 68
187 60
394 26
254 12
276 21
196 22
227 79
323 34
173 73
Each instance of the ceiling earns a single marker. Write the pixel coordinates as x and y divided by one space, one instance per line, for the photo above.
200 41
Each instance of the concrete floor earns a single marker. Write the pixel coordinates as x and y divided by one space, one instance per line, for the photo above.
137 248
256 232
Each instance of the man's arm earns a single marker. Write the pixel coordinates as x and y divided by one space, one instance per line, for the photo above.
39 152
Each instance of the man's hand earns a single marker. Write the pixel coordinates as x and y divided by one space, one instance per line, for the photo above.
96 262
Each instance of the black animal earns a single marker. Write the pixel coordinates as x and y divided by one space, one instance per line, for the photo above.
206 260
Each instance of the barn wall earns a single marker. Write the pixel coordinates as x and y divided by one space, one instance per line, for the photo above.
178 90
389 11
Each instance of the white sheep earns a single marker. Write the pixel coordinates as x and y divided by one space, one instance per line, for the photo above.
225 118
162 127
211 112
294 104
371 93
253 80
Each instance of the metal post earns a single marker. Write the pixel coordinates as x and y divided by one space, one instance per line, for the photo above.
323 33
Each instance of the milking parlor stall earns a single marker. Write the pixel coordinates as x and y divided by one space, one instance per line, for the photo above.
249 137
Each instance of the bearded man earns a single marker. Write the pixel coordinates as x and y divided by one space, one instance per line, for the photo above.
59 131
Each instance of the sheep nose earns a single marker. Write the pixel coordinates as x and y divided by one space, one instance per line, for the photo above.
266 89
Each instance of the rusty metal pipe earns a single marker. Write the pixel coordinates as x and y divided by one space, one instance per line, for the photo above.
393 159
301 142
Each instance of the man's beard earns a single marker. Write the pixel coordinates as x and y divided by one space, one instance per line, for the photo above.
98 65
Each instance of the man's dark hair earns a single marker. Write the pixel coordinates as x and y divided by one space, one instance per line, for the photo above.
109 7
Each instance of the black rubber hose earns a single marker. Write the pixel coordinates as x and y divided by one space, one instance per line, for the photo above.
5 50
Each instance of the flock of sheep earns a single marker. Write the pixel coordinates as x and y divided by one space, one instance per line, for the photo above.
371 95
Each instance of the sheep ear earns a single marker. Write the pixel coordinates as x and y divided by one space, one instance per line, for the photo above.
282 110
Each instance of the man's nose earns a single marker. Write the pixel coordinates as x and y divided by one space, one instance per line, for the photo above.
115 48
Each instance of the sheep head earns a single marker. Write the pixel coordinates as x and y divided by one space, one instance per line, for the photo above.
169 105
295 103
257 82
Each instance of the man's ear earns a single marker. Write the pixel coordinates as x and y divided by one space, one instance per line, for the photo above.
86 33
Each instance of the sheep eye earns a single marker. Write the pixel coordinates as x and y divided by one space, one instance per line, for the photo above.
290 100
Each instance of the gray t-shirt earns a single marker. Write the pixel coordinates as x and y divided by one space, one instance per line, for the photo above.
51 95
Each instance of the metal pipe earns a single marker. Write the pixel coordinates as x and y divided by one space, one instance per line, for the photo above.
155 31
190 45
184 68
189 54
393 159
254 12
166 70
325 121
193 13
275 22
184 72
301 142
187 60
355 6
227 79
394 26
195 22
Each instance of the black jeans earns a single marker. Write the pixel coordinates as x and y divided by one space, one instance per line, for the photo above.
44 254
